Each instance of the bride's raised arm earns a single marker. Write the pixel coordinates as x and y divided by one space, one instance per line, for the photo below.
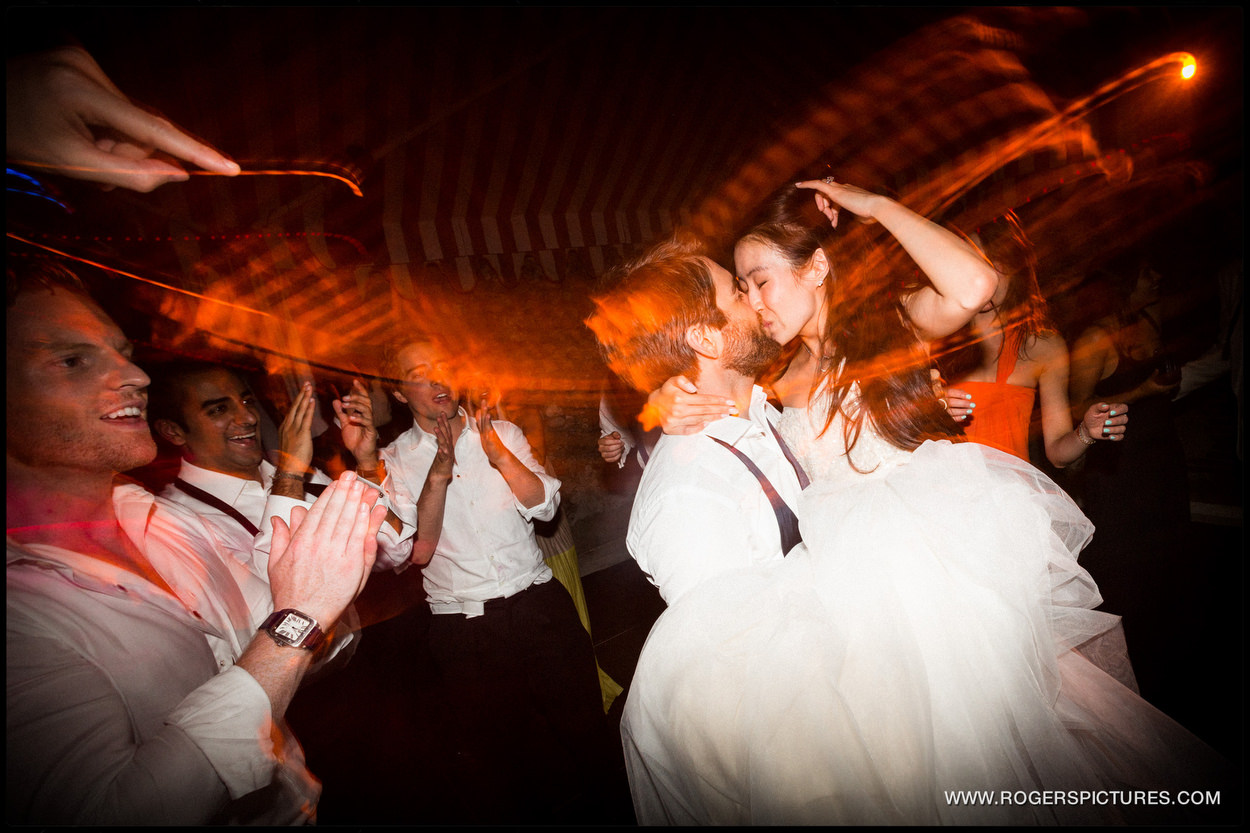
963 280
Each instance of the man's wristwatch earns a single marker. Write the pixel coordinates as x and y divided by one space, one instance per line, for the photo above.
292 629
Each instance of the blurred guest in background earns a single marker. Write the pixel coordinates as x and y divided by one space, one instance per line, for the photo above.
1136 491
623 442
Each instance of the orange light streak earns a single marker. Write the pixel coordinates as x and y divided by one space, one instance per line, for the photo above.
345 178
350 183
977 168
139 278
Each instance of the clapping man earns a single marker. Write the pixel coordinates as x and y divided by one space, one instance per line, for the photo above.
210 414
138 688
521 693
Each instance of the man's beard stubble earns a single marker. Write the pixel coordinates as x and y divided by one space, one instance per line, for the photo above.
749 350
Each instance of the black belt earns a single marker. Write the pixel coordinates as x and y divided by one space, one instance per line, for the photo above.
503 601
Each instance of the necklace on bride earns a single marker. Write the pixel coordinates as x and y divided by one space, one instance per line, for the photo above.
822 362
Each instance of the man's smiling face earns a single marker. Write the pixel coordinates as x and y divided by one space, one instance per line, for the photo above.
220 423
75 399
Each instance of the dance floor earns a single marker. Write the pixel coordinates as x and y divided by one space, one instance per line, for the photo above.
371 730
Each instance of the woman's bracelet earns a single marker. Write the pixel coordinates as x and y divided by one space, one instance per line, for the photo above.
1082 434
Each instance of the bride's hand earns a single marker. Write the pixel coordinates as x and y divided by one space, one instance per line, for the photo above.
831 195
679 408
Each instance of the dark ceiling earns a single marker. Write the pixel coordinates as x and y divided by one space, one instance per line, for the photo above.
506 155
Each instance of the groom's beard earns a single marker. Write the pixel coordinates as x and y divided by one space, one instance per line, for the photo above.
748 349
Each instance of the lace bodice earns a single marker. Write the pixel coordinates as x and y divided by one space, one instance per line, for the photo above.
824 457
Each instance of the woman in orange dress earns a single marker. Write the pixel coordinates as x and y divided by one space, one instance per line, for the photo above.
1009 356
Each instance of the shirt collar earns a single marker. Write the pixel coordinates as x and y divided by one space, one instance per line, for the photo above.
132 505
418 434
731 429
225 486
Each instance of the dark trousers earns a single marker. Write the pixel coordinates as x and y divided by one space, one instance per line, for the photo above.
520 707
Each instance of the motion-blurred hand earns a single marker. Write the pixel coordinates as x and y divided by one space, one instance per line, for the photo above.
64 115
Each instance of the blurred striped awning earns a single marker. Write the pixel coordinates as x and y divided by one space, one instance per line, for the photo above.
505 157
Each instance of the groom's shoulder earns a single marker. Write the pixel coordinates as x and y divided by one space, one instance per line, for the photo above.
681 462
674 453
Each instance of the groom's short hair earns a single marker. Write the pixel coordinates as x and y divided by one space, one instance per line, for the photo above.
641 322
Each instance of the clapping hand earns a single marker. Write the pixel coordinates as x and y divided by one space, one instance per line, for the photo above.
491 444
321 560
445 456
355 414
295 439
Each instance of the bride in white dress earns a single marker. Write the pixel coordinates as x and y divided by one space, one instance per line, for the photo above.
935 635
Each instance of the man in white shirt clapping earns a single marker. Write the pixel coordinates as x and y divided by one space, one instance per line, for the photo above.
523 707
210 414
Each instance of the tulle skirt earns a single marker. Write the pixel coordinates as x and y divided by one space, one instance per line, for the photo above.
931 657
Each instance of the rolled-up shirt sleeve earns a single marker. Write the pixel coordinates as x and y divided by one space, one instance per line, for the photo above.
514 438
394 546
276 506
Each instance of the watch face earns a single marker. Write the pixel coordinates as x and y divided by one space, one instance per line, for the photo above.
293 627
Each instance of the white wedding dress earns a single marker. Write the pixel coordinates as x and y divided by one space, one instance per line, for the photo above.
936 635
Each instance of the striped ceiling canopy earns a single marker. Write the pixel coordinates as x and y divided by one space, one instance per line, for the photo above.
471 171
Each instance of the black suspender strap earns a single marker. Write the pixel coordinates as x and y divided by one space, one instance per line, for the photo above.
217 503
804 482
787 522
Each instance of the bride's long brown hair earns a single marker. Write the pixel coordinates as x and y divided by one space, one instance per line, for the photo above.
867 339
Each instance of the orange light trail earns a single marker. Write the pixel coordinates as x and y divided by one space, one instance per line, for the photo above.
979 167
346 179
350 183
140 278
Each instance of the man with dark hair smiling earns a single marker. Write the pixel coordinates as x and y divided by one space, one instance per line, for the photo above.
138 688
209 413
